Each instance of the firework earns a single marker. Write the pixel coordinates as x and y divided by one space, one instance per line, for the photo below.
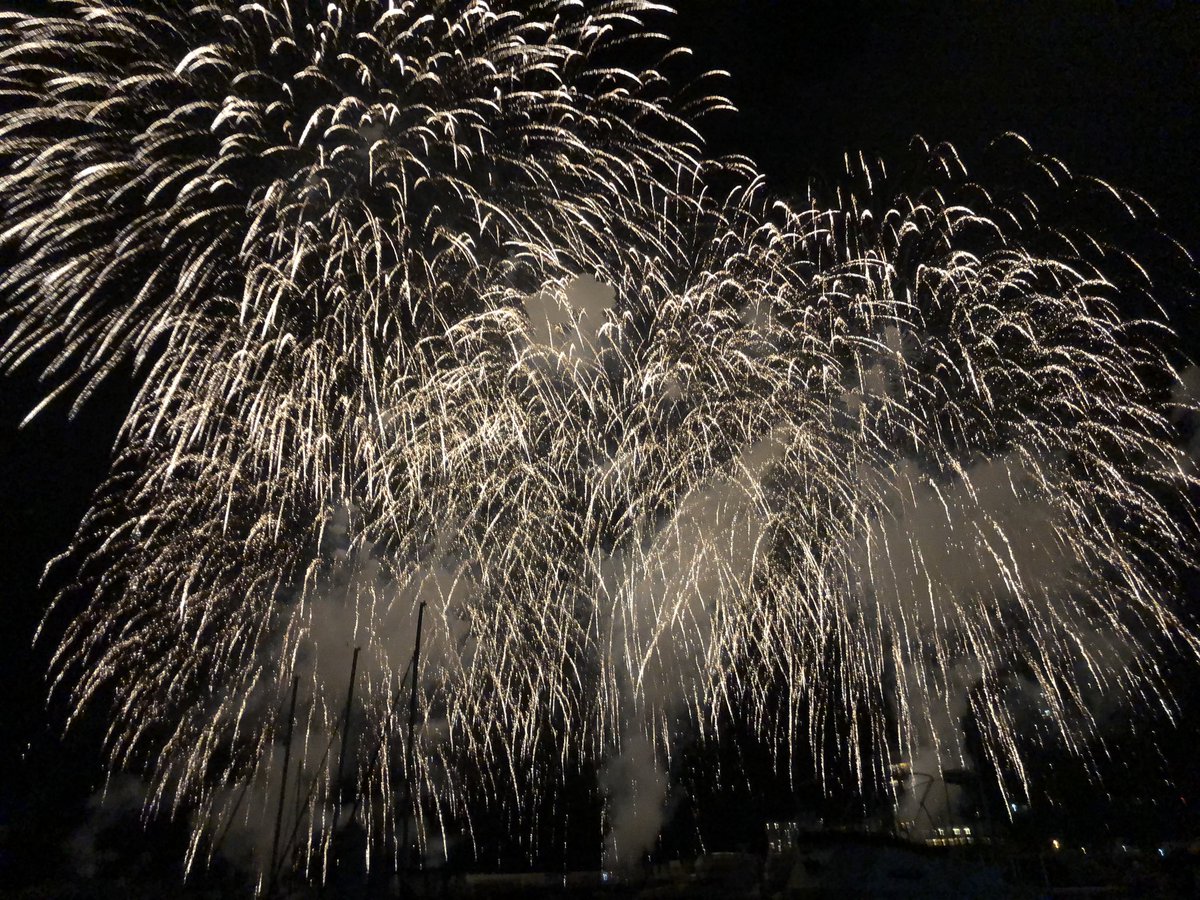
438 302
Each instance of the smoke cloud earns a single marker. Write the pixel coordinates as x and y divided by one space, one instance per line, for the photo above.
956 561
659 605
376 612
122 796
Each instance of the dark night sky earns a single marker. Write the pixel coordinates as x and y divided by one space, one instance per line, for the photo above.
1110 88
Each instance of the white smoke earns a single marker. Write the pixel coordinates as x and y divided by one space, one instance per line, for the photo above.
122 796
965 549
656 602
952 560
634 783
1185 396
658 609
570 320
378 614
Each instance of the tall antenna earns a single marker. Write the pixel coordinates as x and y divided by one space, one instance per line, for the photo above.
336 793
410 759
287 759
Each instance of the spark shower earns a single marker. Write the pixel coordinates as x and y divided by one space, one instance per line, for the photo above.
443 303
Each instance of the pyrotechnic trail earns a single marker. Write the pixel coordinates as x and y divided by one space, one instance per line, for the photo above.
442 302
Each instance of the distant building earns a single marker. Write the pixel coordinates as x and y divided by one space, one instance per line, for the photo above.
953 836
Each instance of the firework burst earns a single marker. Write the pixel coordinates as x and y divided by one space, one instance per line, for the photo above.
439 302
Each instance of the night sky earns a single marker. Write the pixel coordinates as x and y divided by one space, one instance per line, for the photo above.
1110 88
